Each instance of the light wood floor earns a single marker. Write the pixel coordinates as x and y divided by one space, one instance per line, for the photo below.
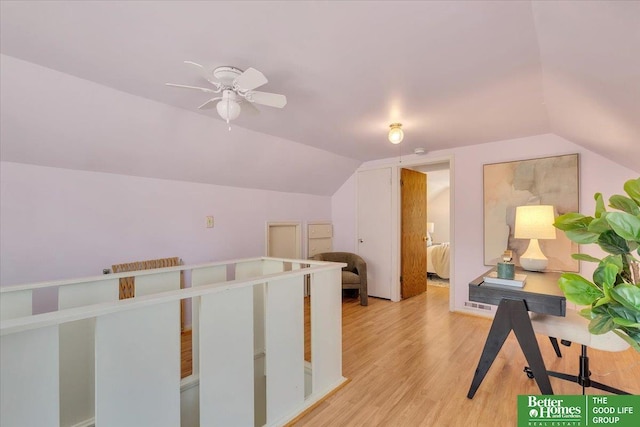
411 364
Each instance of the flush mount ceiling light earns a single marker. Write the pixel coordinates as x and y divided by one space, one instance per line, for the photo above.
395 133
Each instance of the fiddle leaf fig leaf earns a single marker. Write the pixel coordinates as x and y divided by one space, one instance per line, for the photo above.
587 313
633 340
599 225
625 225
604 300
599 204
616 310
632 188
624 322
601 325
585 257
624 204
572 221
610 271
613 259
582 236
627 295
612 243
579 290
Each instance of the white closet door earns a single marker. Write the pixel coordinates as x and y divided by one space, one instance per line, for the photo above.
374 229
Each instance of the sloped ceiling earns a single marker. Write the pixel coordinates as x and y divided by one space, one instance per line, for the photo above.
454 73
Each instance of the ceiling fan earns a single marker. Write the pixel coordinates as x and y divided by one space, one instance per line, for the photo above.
235 87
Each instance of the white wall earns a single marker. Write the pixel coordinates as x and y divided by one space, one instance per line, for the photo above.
597 174
88 126
438 194
61 223
343 209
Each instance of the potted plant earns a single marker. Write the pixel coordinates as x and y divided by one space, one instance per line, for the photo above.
613 294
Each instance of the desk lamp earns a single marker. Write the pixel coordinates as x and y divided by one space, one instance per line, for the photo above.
534 222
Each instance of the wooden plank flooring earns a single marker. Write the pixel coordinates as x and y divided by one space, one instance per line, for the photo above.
411 364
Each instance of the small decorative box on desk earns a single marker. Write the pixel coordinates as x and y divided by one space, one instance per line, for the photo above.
517 281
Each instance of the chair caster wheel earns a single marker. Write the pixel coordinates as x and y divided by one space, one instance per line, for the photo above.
529 372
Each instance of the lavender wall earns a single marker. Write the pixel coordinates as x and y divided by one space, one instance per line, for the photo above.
597 174
60 223
343 207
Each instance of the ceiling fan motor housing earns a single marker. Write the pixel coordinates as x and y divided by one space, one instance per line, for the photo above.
226 75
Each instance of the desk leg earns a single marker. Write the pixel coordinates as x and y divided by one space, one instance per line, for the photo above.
500 329
523 330
511 315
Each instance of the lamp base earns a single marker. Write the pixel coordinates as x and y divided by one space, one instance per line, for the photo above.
533 259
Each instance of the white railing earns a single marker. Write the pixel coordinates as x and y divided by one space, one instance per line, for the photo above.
104 362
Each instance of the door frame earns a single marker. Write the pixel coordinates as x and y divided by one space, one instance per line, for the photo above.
298 227
396 219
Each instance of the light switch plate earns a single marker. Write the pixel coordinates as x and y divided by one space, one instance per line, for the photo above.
209 222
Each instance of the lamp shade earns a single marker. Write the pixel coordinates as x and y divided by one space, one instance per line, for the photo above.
534 222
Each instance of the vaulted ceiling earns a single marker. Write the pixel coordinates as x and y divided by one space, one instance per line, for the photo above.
454 73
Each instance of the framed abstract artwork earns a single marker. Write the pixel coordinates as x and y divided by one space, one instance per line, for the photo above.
544 181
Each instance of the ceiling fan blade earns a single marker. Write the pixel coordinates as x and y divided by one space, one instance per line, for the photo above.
266 98
203 89
210 103
196 65
249 108
249 80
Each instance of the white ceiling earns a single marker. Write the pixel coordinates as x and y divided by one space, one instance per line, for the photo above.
454 73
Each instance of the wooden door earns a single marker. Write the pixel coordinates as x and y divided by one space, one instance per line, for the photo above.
413 252
374 229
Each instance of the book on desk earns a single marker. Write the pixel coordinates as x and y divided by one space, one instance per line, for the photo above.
518 281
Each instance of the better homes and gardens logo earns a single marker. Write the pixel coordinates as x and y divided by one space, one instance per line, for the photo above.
555 410
578 411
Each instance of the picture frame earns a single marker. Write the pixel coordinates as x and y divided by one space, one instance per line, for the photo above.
543 181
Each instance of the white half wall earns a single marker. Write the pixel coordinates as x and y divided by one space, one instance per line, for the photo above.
61 223
597 174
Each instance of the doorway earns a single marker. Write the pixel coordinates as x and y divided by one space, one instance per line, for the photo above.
413 233
283 240
439 209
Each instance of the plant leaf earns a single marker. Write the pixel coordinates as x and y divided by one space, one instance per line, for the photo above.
612 243
599 205
579 290
625 204
572 221
627 295
613 259
599 225
635 343
632 188
624 322
601 325
625 225
582 236
617 310
585 257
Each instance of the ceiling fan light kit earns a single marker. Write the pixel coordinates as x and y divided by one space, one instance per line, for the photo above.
237 87
395 133
228 107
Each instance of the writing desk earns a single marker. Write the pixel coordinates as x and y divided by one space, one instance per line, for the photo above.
540 294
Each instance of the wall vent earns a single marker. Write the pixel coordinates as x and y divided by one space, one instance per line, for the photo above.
475 305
